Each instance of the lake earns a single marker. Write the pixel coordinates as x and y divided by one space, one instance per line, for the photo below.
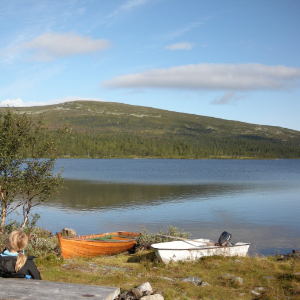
257 201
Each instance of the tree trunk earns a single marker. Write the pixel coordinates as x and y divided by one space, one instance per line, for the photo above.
3 212
3 217
26 214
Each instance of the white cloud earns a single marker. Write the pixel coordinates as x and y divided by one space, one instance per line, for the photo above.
52 45
129 5
20 103
180 46
227 98
232 77
181 31
16 103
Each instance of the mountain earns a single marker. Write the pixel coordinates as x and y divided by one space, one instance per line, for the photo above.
107 129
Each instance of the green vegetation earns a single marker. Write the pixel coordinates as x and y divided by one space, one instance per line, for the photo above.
26 180
128 271
146 239
114 130
277 279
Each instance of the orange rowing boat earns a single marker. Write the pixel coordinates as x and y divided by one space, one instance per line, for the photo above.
97 244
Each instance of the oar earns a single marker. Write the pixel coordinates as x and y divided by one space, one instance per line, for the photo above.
181 239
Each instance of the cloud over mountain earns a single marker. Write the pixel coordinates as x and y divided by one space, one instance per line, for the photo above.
238 77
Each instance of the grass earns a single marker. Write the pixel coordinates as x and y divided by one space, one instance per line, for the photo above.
129 271
279 278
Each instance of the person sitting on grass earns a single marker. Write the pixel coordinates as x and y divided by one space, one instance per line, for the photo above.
13 262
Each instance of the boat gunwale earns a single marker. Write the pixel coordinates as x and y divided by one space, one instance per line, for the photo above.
89 237
203 248
95 241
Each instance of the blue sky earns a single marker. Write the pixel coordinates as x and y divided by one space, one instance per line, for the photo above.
236 60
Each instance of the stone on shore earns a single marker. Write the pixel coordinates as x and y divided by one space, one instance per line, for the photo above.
68 232
193 279
145 288
153 297
142 292
237 280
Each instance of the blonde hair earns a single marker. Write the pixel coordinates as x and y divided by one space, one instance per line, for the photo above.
17 241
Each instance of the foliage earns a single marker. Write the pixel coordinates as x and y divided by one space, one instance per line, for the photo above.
27 157
146 239
114 130
132 145
40 243
29 227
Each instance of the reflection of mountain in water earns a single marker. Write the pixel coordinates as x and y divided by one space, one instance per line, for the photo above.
83 195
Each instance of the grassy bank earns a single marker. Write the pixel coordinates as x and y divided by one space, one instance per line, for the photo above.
228 278
278 278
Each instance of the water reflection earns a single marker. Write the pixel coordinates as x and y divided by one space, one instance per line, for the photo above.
256 201
86 195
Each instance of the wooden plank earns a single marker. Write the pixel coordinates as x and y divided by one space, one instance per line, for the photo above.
22 289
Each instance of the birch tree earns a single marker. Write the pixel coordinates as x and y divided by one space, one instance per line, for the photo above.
27 159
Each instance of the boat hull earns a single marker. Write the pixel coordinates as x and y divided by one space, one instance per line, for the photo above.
192 251
83 247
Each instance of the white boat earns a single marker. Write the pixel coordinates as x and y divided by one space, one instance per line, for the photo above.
192 250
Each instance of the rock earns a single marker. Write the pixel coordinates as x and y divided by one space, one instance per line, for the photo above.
255 293
269 277
137 293
193 279
294 255
126 296
260 288
237 280
145 288
166 278
68 232
238 261
204 283
153 297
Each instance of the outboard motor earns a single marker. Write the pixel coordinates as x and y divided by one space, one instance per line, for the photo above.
224 239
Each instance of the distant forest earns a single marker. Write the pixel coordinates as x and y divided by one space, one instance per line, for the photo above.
130 145
116 130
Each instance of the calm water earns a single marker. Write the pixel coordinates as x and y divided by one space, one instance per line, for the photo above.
257 201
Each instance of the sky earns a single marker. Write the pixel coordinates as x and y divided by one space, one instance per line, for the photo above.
235 59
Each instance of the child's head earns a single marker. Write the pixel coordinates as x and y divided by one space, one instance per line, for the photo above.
17 240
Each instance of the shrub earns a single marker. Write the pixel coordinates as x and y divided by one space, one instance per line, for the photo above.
146 239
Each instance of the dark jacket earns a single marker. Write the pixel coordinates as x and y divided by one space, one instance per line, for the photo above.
7 268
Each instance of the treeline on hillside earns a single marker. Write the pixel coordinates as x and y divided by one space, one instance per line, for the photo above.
126 145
